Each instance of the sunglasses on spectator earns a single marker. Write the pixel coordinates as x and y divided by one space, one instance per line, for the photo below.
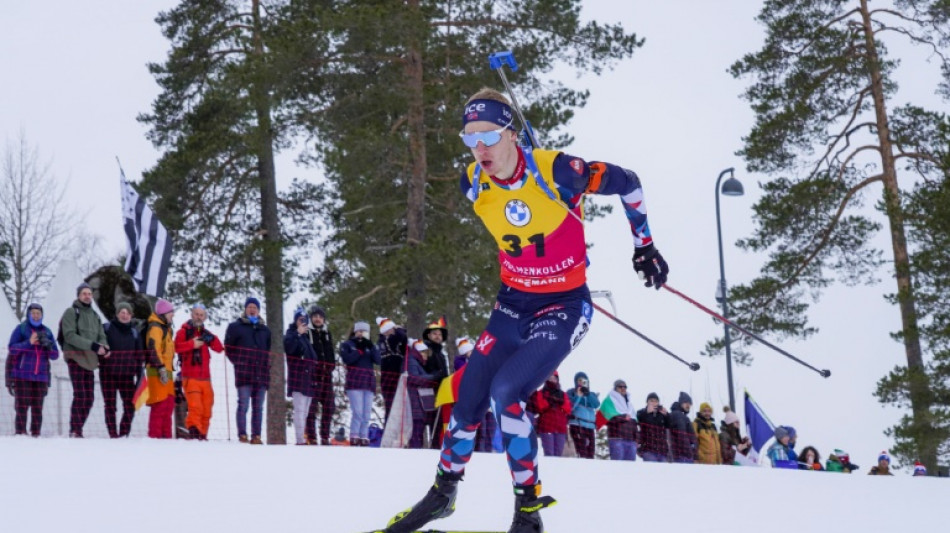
488 138
621 386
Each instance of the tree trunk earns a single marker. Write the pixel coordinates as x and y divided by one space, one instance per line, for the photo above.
415 208
271 249
919 394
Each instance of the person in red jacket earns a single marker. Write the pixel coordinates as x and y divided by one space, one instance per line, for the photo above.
553 407
193 344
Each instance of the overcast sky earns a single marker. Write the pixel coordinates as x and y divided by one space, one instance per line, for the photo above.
75 79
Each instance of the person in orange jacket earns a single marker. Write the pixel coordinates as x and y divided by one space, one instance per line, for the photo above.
160 347
194 344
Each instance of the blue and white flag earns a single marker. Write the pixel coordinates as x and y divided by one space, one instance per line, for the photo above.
758 426
150 248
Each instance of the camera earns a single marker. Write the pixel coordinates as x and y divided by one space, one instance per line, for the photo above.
44 340
206 337
584 390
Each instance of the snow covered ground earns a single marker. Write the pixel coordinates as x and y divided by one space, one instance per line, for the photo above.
140 485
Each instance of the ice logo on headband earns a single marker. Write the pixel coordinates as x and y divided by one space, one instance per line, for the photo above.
490 109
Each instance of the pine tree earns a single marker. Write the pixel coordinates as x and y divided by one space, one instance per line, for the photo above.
404 242
829 128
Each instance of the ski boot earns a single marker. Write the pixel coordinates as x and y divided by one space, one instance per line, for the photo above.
528 501
439 502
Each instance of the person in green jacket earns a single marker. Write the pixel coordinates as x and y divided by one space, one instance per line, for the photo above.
83 343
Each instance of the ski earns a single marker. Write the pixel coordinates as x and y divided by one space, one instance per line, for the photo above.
442 531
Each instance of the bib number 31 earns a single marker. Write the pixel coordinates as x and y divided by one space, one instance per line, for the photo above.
514 244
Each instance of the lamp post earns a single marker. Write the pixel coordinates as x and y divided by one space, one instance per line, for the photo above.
732 187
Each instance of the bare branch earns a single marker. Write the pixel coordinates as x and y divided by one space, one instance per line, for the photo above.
369 294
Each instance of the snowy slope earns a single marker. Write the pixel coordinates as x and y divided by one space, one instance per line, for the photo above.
139 485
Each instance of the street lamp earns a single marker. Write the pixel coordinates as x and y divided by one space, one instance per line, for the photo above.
732 187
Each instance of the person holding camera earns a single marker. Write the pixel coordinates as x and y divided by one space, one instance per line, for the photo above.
31 349
301 365
360 354
194 344
83 341
735 448
654 420
118 374
584 404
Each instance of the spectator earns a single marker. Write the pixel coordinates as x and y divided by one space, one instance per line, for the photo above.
810 459
584 404
778 451
682 436
194 343
552 406
621 424
840 461
160 347
421 391
883 467
654 421
27 372
392 352
339 438
83 342
707 438
465 347
919 469
301 364
118 374
360 354
438 363
792 440
323 394
247 345
734 447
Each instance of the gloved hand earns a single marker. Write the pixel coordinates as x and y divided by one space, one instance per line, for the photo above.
650 266
163 375
10 389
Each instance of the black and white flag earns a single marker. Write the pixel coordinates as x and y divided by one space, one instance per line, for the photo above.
150 248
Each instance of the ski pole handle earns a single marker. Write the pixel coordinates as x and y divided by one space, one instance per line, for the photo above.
496 60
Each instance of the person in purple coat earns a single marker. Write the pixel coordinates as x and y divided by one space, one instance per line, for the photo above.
360 354
27 374
465 347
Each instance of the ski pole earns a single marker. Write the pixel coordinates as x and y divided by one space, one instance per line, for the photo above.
628 327
496 61
824 373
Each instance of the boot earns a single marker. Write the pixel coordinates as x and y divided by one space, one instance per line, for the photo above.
528 501
243 439
323 442
439 502
193 433
256 439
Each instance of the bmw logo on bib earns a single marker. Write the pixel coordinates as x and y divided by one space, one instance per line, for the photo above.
517 213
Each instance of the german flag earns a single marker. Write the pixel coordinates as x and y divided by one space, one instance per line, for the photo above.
141 391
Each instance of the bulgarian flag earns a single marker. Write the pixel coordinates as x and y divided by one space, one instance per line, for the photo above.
141 392
607 411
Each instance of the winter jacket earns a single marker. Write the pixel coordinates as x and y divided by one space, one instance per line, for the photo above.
552 406
653 428
583 408
82 335
321 340
301 362
418 377
878 471
709 451
778 454
27 361
682 435
195 365
360 355
127 345
438 362
160 350
247 346
392 352
729 441
622 425
459 362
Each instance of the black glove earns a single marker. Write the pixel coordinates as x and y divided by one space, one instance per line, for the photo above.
650 266
10 389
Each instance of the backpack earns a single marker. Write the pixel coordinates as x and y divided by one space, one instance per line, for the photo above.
59 335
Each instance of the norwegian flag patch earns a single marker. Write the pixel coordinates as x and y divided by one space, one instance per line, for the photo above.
577 165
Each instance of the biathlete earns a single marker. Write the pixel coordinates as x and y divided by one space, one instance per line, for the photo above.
531 202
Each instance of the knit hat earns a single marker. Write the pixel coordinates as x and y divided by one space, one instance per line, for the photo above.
464 346
124 305
919 469
884 457
620 383
685 398
252 300
361 326
652 396
420 346
730 417
384 324
163 306
299 313
791 432
82 286
705 405
842 456
33 306
780 433
316 310
199 305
